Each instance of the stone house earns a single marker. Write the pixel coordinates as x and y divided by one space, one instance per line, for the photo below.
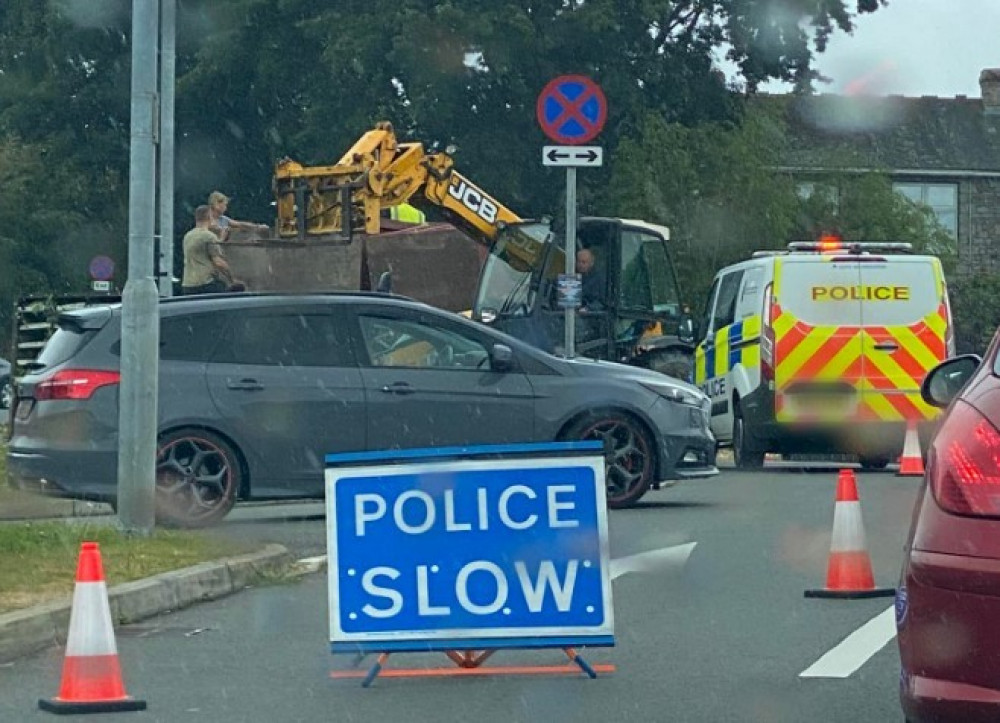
943 152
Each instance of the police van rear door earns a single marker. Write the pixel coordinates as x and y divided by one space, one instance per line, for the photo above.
819 362
905 322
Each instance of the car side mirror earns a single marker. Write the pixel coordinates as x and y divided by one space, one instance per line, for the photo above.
501 358
384 285
687 329
943 383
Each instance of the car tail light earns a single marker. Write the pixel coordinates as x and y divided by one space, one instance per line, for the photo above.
767 336
75 384
965 475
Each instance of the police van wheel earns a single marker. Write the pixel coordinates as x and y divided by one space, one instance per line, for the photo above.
743 456
873 463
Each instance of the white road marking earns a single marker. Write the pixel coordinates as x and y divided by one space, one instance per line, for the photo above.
665 558
856 649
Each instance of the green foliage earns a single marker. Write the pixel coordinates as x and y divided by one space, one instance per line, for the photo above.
974 310
712 185
63 143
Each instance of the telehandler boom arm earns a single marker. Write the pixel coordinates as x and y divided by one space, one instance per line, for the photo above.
376 173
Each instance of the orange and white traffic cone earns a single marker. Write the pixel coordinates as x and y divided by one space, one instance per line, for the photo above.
92 677
849 573
911 464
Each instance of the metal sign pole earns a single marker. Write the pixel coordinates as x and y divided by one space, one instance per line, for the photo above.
571 110
570 341
168 63
140 310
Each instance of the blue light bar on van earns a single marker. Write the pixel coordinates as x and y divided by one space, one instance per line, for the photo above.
851 247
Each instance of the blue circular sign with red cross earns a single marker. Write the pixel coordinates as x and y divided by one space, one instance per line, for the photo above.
571 109
102 268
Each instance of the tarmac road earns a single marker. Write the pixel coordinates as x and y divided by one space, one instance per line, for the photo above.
725 639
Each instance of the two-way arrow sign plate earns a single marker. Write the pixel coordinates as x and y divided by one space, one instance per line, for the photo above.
582 156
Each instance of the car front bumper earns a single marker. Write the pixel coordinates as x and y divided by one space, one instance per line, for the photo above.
686 444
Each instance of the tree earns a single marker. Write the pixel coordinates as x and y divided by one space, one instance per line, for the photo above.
63 143
305 79
261 79
974 311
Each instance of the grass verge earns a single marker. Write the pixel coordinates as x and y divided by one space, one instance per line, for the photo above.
38 559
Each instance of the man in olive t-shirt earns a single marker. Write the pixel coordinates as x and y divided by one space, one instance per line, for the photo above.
204 266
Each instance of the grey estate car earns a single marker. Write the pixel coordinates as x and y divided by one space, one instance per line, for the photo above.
256 388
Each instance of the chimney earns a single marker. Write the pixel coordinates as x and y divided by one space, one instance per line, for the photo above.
989 86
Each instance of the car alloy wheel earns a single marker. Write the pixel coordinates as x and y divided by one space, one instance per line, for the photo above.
627 453
197 478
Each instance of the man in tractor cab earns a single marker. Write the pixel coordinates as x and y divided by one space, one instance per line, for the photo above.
593 280
593 301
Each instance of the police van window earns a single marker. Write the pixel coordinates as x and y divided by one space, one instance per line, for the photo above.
749 303
706 316
725 308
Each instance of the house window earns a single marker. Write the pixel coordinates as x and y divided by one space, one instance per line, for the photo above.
825 192
941 198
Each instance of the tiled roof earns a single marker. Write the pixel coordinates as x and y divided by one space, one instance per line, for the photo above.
891 133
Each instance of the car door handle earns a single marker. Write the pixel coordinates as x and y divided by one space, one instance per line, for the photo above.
887 346
398 388
245 385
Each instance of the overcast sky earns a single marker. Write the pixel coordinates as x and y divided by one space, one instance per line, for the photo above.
915 47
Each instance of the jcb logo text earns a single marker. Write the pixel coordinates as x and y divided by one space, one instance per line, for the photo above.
473 199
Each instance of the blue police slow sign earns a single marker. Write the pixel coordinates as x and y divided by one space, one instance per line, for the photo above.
428 552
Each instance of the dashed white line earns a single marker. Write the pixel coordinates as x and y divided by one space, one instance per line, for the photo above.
856 649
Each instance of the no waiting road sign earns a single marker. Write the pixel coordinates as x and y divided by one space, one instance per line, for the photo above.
571 109
101 268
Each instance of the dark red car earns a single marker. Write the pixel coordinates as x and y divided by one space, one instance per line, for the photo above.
948 603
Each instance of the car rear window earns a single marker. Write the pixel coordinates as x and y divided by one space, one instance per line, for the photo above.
61 346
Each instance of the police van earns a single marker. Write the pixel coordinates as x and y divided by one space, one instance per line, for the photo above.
822 349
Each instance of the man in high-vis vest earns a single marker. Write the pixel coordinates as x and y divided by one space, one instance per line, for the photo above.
406 213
